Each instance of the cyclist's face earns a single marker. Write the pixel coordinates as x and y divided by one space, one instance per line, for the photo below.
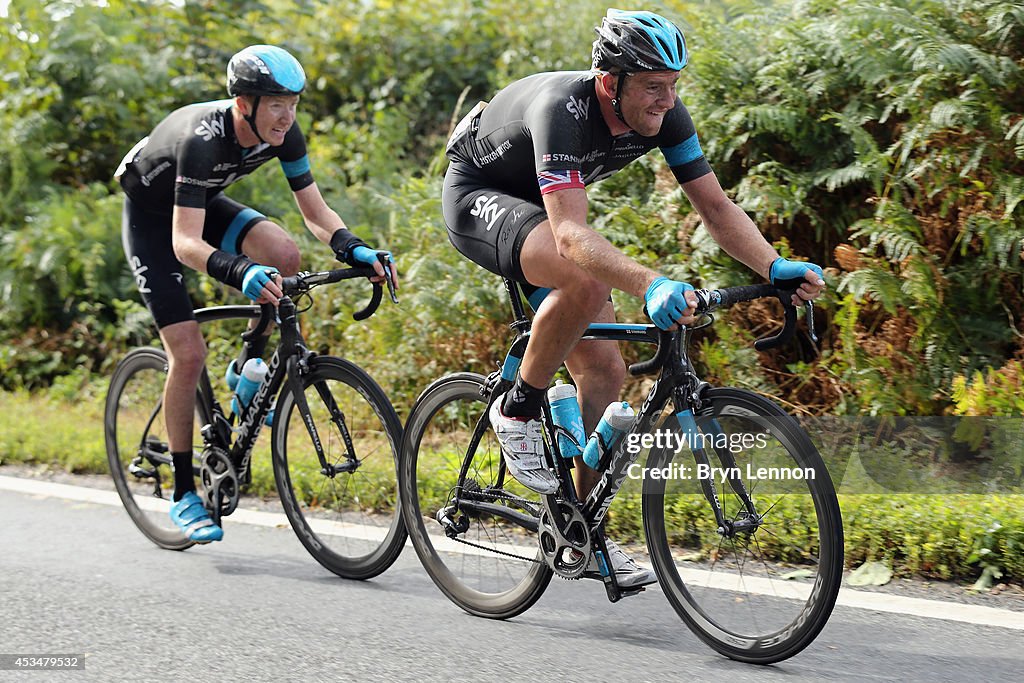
646 98
275 116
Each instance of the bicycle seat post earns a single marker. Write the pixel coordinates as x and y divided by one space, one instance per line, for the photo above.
521 323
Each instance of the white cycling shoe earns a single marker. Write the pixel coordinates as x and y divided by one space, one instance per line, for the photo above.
522 447
628 574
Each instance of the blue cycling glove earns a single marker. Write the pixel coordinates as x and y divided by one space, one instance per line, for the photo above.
790 274
255 279
666 301
368 256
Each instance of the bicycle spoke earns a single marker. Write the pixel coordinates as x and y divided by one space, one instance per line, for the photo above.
347 516
744 587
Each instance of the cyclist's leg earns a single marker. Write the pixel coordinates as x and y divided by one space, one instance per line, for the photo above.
575 301
238 229
598 370
147 242
269 244
146 236
512 237
186 355
488 226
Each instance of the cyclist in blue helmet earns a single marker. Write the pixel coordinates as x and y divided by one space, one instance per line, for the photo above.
515 202
176 214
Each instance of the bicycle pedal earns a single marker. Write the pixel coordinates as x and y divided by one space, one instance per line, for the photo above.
141 473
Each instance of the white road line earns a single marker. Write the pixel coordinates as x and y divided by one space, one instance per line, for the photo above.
848 597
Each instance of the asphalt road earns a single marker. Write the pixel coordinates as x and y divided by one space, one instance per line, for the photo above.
77 577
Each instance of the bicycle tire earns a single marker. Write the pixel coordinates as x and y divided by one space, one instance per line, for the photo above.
350 523
472 577
133 423
790 564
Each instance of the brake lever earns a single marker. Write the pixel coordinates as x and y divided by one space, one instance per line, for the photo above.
385 260
809 310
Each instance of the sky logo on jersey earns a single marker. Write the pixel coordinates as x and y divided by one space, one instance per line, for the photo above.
579 108
552 181
208 129
486 208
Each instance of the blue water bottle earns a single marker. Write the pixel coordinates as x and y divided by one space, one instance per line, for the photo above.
565 411
617 418
253 373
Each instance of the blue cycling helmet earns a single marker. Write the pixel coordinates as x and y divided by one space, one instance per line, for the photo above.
628 42
265 70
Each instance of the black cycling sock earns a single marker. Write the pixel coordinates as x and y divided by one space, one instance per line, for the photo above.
183 479
522 400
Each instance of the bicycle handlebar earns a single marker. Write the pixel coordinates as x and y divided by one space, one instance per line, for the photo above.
710 300
305 281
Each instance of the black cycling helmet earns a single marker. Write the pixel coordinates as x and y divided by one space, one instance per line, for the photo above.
265 70
628 42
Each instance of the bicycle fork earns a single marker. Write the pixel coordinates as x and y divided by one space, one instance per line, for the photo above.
296 369
726 528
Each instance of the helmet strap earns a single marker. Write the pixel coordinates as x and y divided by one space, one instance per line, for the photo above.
251 118
617 100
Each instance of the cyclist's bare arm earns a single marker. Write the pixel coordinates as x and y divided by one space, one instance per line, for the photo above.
584 246
323 221
733 230
187 237
194 252
729 225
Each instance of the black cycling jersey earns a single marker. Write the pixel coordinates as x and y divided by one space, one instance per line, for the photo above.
193 154
188 159
546 132
538 135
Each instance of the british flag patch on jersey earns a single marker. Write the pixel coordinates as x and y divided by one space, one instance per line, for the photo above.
552 181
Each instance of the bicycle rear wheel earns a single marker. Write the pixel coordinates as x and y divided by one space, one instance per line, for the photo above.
762 591
349 520
136 440
486 563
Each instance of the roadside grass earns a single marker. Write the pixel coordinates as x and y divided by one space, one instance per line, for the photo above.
949 537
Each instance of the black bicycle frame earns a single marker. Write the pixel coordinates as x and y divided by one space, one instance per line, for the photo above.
677 382
290 355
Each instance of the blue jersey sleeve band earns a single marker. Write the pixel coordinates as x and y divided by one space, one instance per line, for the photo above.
293 169
683 153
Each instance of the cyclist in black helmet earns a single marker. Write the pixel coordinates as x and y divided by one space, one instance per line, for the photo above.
515 202
175 213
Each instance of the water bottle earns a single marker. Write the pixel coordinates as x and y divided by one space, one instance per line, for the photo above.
253 373
565 411
231 376
616 420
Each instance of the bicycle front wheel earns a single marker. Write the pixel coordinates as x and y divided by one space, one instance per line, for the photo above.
136 441
347 515
471 532
760 587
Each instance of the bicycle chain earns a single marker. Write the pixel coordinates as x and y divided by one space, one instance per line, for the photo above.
498 552
573 575
523 502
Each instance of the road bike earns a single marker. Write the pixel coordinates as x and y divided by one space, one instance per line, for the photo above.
334 440
740 516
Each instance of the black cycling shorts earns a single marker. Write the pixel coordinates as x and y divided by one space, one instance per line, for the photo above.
146 236
486 225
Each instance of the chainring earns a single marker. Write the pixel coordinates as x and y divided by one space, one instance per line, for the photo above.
221 490
564 539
